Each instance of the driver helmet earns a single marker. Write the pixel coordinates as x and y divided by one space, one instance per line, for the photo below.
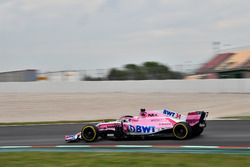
143 112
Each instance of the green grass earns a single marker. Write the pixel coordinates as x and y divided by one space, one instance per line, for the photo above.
121 159
237 117
55 122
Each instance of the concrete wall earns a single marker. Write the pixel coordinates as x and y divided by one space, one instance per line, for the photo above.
171 86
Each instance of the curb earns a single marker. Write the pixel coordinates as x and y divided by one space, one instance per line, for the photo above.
128 146
173 149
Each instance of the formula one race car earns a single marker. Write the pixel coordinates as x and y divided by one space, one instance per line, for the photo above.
148 123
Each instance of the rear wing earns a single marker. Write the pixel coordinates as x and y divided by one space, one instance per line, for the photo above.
196 117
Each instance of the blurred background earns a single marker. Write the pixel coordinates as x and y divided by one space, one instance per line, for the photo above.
123 40
233 64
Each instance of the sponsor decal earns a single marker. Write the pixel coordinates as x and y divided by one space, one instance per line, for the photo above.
156 120
152 115
172 114
166 124
141 129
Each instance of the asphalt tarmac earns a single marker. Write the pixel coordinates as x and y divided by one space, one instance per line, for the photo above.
217 133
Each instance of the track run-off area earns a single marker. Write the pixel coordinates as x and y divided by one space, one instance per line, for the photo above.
220 136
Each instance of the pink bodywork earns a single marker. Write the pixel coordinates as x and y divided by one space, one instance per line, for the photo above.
150 122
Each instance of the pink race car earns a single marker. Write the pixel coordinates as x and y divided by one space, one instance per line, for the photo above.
148 123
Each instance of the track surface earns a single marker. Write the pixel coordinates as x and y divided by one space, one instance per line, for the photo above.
225 133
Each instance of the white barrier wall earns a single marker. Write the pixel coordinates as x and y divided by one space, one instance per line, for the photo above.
171 86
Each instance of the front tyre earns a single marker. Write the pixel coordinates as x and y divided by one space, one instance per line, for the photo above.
89 133
182 130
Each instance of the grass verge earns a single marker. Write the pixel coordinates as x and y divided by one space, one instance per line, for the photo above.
55 122
121 159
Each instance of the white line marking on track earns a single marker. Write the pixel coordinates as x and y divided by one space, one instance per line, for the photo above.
124 146
15 147
199 146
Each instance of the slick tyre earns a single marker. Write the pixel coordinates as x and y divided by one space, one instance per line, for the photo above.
89 133
182 130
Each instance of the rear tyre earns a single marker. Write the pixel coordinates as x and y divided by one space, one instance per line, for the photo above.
89 133
182 130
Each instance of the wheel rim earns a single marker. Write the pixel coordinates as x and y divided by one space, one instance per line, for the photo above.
180 131
89 133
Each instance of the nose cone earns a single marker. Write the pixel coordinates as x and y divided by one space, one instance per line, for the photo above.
70 138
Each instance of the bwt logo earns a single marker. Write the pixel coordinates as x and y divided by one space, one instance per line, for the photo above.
141 129
172 114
